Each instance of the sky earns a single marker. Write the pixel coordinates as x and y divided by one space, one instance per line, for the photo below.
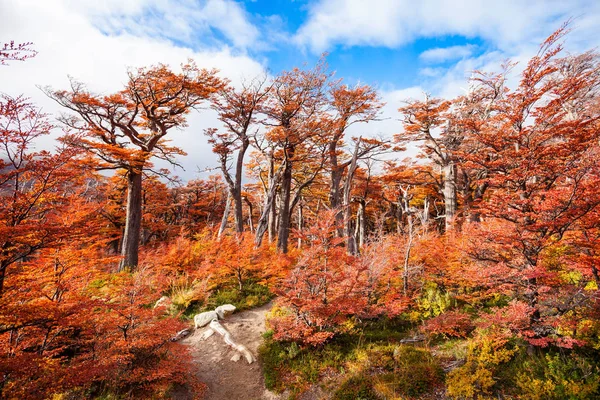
402 48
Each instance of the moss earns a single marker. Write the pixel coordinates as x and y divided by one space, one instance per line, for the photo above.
356 388
253 295
371 349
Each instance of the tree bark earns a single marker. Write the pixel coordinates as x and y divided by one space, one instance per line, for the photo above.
250 212
272 208
361 222
300 223
225 217
347 211
335 193
450 202
264 222
284 209
133 222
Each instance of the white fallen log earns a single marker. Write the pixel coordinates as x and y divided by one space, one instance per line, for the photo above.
211 318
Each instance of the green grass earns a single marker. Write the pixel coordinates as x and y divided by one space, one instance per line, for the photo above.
253 295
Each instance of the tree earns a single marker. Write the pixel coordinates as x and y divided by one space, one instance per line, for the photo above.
32 184
16 52
540 148
294 100
350 106
422 122
237 109
126 129
326 288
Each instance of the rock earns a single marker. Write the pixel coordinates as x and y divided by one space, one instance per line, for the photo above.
181 334
225 310
162 302
204 318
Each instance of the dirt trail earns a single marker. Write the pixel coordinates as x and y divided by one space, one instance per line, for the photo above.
226 379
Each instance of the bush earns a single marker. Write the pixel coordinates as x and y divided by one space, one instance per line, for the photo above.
356 388
410 371
449 324
477 378
558 376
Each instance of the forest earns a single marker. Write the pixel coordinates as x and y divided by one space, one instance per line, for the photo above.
469 270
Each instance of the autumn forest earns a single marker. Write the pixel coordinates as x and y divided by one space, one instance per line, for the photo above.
458 259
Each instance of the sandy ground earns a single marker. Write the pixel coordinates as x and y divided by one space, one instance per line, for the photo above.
226 379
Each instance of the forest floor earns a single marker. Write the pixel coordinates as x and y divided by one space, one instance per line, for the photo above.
227 379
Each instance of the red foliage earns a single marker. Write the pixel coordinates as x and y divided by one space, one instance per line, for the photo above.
326 288
449 324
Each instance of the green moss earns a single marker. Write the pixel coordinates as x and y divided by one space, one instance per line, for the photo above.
253 295
371 360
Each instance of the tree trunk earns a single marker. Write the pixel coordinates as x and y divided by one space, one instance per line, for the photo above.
284 209
237 192
450 203
133 222
300 223
239 215
250 212
347 211
272 208
3 268
264 222
361 223
225 217
335 194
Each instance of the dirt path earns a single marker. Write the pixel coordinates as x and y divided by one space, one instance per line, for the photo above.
226 379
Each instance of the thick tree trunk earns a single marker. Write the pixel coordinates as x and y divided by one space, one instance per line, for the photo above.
450 202
284 208
133 222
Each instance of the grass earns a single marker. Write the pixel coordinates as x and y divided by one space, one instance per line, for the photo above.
368 364
253 295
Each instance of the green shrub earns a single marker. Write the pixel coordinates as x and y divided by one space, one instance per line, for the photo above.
408 371
559 376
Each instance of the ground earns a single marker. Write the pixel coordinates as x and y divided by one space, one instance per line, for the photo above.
226 379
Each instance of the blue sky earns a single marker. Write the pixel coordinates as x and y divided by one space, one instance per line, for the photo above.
401 47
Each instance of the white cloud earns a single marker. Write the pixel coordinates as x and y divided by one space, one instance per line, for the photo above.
443 54
69 44
392 23
181 20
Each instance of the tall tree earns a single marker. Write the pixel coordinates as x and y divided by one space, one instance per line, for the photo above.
541 150
425 121
32 184
349 106
237 109
295 98
126 129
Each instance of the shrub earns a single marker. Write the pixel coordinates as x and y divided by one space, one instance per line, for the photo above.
557 377
477 377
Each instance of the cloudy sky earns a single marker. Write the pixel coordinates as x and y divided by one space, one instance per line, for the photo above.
401 47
